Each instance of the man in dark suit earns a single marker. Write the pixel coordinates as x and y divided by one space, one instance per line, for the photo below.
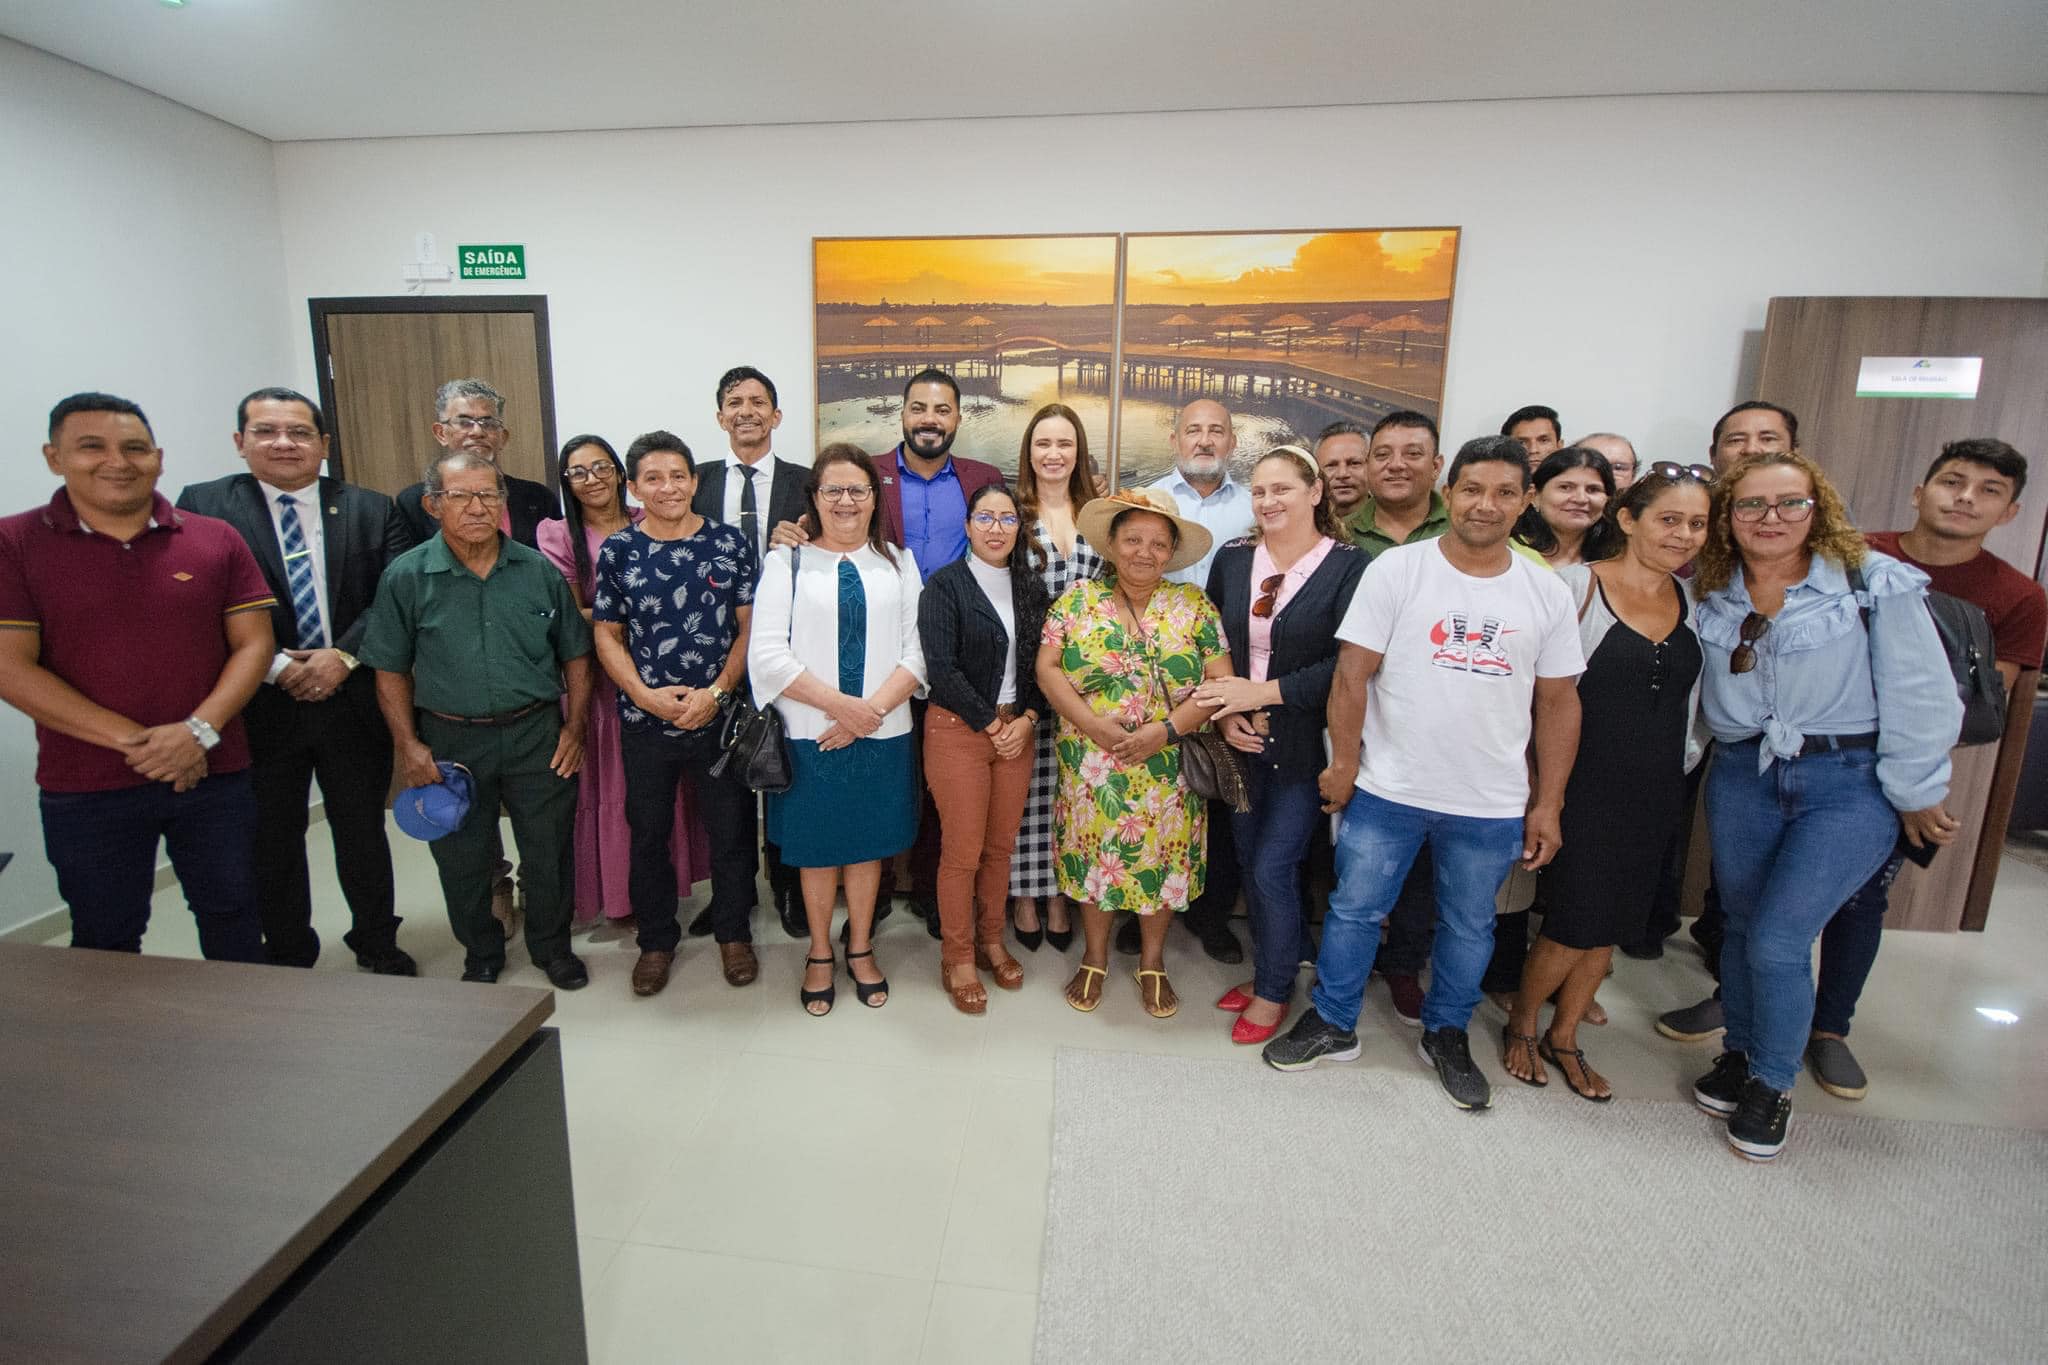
322 544
761 494
469 415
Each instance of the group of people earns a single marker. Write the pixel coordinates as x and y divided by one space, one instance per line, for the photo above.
1008 696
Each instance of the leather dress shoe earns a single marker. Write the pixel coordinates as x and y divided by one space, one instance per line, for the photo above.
567 972
789 908
700 927
487 973
392 961
738 962
650 973
1222 945
927 908
1128 939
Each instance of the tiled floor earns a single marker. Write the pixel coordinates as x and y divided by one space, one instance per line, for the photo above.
753 1184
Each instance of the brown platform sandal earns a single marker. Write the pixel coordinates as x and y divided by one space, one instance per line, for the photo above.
1160 1002
1009 973
969 996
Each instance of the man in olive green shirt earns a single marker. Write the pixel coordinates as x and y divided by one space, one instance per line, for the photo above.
476 638
1401 469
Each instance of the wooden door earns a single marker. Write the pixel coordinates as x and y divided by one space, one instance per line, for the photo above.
1876 450
381 360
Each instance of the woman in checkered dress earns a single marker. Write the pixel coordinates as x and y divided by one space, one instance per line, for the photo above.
1055 476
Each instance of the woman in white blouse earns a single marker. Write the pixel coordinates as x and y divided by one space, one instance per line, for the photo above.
835 649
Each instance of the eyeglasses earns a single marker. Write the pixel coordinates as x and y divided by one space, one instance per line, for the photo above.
1755 626
599 473
473 423
1268 591
845 492
1670 469
988 521
298 436
460 499
1755 509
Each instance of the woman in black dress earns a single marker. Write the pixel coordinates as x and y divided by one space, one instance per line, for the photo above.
1638 697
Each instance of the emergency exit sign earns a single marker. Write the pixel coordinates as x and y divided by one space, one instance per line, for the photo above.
506 262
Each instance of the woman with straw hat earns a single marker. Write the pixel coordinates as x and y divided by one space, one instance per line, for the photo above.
1120 661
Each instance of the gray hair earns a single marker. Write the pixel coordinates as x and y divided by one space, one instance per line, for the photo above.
454 462
466 388
1344 427
1606 436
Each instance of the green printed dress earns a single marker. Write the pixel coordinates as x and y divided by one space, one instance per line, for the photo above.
1129 838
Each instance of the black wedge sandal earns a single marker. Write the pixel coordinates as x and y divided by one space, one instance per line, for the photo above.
865 990
826 996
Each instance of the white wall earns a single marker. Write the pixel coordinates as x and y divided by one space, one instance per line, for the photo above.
142 257
1618 254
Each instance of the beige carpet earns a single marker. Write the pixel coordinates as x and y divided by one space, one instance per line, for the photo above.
1220 1211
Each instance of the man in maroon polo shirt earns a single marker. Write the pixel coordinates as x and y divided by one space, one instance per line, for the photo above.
132 634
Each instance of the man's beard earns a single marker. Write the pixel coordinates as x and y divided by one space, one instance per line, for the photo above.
914 442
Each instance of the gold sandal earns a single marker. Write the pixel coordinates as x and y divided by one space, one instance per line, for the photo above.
1157 1005
1086 1003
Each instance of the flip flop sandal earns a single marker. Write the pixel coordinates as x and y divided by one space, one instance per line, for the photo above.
1087 1002
1508 1040
1555 1055
1155 1004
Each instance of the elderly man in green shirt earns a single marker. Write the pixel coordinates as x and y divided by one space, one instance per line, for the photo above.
1401 469
476 639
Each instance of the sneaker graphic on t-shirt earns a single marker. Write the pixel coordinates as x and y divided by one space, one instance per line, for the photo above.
1452 651
1459 650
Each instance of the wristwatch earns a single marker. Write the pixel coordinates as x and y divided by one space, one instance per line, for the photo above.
1172 735
718 694
202 733
351 660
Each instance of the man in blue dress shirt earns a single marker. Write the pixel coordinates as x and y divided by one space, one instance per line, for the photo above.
925 487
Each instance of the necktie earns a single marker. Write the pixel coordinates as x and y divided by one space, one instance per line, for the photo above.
298 573
750 512
853 631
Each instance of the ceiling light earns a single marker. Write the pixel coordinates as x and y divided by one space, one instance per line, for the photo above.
173 4
1998 1016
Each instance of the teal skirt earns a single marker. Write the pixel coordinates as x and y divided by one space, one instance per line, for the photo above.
851 805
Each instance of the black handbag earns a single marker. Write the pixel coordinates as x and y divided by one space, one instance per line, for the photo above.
1972 657
1209 767
754 742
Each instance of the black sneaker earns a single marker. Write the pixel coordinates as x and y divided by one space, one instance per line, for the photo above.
1312 1039
1450 1052
1757 1128
1720 1090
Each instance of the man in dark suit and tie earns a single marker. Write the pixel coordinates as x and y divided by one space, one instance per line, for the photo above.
469 415
322 545
761 494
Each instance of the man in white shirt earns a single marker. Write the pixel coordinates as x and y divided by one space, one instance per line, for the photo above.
1454 652
322 545
1203 439
761 494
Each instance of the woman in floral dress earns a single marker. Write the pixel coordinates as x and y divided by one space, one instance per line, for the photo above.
1120 662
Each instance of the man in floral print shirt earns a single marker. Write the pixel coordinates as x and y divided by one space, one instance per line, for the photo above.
672 603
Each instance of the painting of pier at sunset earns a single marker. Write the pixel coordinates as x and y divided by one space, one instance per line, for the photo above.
1291 330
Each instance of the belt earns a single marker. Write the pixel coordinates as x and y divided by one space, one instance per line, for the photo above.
1820 744
502 718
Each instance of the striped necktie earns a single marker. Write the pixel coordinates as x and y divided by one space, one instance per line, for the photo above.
298 572
750 510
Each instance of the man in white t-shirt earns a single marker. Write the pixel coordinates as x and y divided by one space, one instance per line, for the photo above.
1455 651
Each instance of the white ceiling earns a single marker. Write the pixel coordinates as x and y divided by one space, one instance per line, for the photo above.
296 69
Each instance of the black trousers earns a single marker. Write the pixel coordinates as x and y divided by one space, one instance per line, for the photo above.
1210 912
924 852
341 742
655 763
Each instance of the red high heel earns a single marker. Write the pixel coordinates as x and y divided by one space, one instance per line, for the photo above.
1234 1001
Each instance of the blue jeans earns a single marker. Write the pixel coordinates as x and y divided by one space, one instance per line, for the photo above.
1848 949
1790 845
1375 845
103 847
1272 844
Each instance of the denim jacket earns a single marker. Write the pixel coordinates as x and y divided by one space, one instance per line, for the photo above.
1819 673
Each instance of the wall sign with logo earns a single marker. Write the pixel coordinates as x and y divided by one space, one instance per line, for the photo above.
1918 376
504 262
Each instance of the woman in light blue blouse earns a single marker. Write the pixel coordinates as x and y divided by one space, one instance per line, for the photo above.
1831 700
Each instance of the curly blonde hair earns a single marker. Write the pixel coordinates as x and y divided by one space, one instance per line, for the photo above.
1830 533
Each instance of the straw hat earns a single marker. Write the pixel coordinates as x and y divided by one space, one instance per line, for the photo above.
1094 520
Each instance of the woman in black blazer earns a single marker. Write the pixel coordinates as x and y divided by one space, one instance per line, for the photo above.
979 619
1281 591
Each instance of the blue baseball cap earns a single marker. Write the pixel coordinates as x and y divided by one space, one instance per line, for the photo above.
438 808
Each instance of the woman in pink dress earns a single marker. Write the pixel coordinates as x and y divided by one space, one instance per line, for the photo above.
595 507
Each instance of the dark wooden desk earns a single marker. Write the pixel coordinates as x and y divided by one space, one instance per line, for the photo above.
190 1147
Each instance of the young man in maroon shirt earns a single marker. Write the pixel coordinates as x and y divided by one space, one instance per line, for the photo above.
132 635
1972 488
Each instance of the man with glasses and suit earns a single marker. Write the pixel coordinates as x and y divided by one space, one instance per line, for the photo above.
322 545
469 415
